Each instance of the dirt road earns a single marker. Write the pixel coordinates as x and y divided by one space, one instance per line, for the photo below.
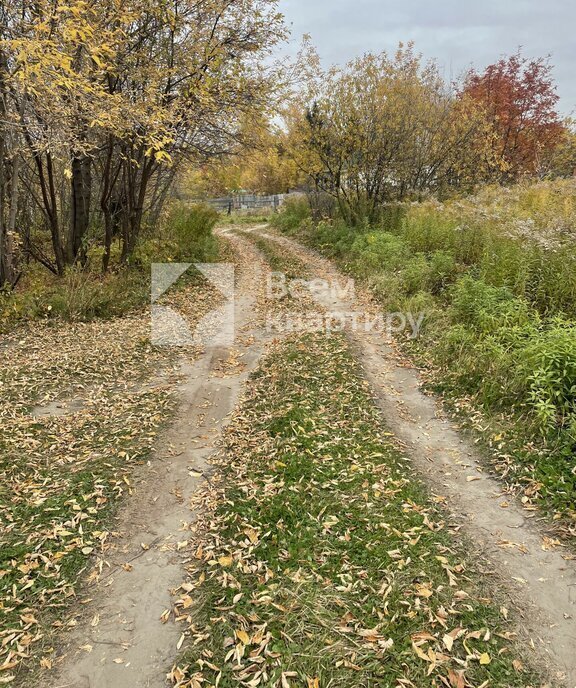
129 638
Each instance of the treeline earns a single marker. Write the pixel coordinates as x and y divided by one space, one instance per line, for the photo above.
104 105
103 102
384 129
387 128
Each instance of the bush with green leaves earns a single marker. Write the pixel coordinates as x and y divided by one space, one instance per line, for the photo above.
294 212
548 363
192 230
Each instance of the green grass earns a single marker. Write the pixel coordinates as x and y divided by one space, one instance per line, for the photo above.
52 517
499 332
325 562
278 258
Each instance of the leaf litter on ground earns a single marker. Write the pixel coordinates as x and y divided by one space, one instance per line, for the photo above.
320 560
82 404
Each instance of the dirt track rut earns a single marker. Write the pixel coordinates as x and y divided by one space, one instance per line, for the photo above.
124 642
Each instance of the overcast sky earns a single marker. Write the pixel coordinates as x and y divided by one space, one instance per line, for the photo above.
456 32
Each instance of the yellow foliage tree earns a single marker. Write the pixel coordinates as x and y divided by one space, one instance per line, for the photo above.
262 164
106 99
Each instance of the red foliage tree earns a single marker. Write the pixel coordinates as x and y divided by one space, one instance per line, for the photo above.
520 99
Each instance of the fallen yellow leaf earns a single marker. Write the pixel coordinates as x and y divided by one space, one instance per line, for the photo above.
243 637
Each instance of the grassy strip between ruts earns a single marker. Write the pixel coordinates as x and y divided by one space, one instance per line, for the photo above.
322 561
279 258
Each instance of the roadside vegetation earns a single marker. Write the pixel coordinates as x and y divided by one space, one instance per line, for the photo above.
83 293
77 417
324 562
495 276
458 203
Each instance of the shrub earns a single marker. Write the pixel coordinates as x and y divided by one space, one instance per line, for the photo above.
548 363
427 230
334 238
379 251
392 216
443 271
488 309
191 229
293 213
472 364
387 288
423 303
416 274
78 295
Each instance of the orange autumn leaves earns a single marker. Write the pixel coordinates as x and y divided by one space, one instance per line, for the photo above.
520 100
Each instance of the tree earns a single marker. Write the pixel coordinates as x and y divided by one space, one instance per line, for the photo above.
261 164
520 100
9 178
270 169
561 160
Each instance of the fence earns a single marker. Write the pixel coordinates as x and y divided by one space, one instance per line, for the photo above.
240 202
